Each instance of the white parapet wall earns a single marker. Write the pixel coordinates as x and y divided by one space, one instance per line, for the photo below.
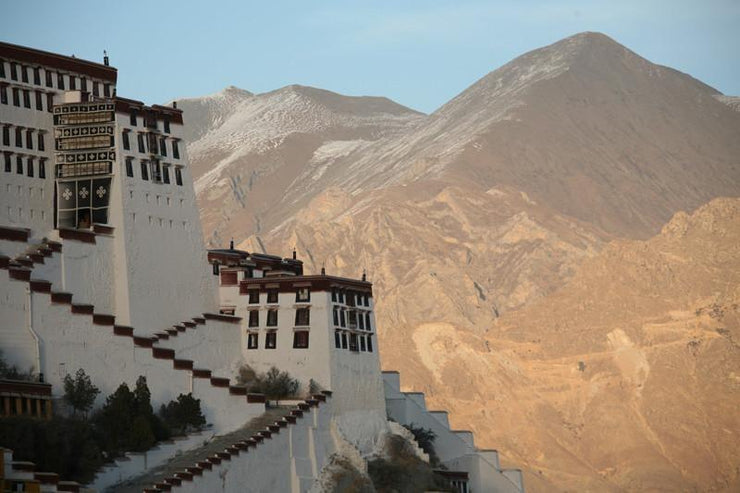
455 448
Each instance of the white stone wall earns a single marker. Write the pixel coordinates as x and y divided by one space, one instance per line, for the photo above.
164 269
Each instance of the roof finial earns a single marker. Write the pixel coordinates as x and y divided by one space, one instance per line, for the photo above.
323 269
294 254
105 58
231 244
364 275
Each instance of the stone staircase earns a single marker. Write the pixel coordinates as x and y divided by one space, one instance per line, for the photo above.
455 448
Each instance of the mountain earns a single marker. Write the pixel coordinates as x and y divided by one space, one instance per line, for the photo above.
469 217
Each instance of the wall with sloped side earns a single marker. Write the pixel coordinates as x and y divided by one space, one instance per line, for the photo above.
455 448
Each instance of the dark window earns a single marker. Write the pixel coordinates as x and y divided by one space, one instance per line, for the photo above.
254 318
152 143
252 340
175 150
254 296
48 78
13 70
166 173
140 140
367 321
36 76
8 163
336 317
341 296
106 90
72 83
49 102
83 84
302 317
341 318
163 146
16 97
126 143
337 339
178 176
19 165
42 168
334 295
6 136
129 166
133 118
344 340
26 98
3 95
2 68
367 300
272 318
271 340
370 344
361 321
167 125
272 295
300 339
24 74
18 137
156 172
39 101
29 139
60 81
362 343
96 90
215 269
352 319
29 167
353 342
144 170
303 294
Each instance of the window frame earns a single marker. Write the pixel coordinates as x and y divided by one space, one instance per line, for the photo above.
301 339
253 340
272 318
254 318
303 317
271 339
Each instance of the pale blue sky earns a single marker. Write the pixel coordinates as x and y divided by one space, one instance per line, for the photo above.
419 53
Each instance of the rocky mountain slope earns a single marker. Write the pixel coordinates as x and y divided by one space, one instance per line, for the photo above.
470 217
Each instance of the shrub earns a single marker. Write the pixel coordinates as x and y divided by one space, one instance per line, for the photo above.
79 392
12 372
403 470
275 384
425 438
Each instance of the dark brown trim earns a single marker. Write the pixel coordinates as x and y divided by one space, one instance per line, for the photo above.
77 235
19 273
199 320
68 486
102 229
162 336
162 486
195 470
163 353
184 475
451 474
319 397
37 258
327 393
253 398
102 319
204 464
143 341
237 390
174 481
201 373
172 332
273 428
4 262
123 330
179 328
214 459
282 423
46 252
14 234
38 286
222 318
291 419
60 297
54 246
219 382
182 364
79 66
312 402
83 309
223 455
46 477
24 387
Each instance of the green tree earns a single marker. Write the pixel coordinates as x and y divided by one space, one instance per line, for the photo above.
276 384
183 414
79 392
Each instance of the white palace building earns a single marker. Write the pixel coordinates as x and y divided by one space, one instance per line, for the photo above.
103 267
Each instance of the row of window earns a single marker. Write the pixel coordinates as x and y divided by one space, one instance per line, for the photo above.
352 320
353 342
149 122
300 339
302 318
73 83
20 141
30 169
302 295
158 172
22 97
156 145
350 298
